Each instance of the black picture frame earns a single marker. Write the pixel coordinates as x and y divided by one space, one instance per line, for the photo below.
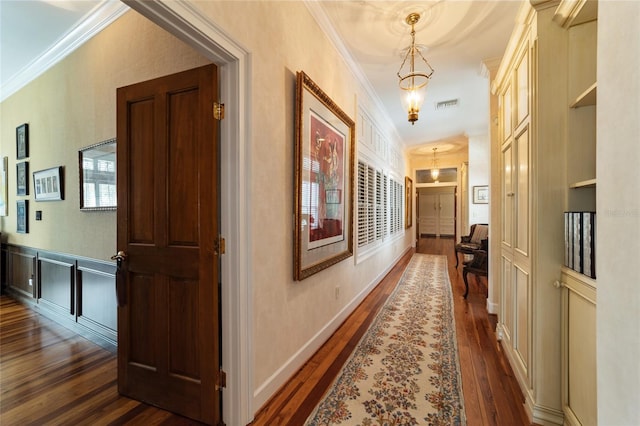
22 141
22 216
48 185
22 178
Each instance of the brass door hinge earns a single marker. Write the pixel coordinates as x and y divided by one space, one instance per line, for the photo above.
222 380
219 246
218 111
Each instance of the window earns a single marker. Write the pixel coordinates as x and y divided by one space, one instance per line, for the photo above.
380 205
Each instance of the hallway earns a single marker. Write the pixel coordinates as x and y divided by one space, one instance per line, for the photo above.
491 392
46 365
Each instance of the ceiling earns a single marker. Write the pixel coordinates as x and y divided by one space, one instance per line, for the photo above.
457 37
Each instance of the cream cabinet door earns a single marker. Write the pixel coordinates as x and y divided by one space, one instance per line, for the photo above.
508 194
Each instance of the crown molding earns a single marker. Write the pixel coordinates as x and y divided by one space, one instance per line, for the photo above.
323 21
103 15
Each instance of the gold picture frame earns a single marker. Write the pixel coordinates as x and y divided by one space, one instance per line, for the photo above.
324 175
408 202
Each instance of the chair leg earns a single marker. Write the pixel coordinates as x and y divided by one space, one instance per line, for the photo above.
466 283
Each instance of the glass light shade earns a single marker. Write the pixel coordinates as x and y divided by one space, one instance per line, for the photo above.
412 100
435 173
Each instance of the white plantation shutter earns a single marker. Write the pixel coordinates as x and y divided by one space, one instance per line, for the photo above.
379 206
371 203
396 199
362 204
385 198
392 207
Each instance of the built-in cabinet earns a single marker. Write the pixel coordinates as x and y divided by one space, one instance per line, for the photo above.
546 91
579 389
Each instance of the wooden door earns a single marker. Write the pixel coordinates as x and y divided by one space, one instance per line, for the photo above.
167 284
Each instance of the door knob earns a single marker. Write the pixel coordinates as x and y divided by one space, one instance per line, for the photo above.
120 296
119 257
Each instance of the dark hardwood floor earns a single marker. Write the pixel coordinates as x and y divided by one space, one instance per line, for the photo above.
49 375
491 392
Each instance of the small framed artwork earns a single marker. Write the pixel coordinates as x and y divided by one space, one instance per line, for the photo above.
408 202
324 175
22 178
4 187
48 185
22 141
22 216
481 194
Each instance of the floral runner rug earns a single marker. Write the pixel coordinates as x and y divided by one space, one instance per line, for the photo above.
405 370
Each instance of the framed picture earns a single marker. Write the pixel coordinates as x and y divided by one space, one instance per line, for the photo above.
22 178
324 171
97 165
4 187
22 216
22 141
48 185
408 202
481 194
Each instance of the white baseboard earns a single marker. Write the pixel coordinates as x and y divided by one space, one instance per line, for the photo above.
270 386
537 414
546 416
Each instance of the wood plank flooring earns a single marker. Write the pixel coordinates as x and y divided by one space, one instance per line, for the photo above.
49 375
491 392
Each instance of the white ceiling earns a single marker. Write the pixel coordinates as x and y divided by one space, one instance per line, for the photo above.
458 36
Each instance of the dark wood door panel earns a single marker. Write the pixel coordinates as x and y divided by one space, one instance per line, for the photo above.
167 225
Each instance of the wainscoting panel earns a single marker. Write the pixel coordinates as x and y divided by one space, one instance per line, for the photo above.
20 267
97 304
55 282
74 291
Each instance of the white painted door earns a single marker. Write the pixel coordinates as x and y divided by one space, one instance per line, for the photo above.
437 214
428 214
447 214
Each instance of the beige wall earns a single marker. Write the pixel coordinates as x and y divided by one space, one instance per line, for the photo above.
71 106
78 109
284 38
618 211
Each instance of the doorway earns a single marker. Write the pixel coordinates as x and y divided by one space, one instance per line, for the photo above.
233 62
437 212
168 267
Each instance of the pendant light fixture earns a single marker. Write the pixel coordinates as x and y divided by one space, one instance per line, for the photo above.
435 171
413 83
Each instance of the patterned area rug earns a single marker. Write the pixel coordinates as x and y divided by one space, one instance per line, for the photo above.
405 370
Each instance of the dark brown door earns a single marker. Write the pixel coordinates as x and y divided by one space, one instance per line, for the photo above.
167 285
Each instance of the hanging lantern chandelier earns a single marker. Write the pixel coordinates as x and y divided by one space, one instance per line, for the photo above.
435 171
413 83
